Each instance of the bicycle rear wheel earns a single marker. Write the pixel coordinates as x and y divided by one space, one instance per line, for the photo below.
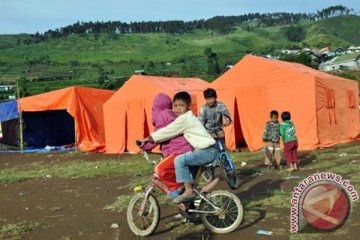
228 173
230 216
145 224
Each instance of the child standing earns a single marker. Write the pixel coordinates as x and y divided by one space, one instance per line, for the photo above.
187 124
271 137
212 115
287 132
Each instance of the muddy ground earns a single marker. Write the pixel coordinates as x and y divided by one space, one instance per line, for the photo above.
74 208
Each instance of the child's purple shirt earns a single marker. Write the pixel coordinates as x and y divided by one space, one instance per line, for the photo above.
162 115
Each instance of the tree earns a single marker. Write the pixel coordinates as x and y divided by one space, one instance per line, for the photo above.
46 89
302 58
212 61
22 87
193 68
295 33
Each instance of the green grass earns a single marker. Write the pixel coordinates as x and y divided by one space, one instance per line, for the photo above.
120 204
15 231
272 202
275 198
75 169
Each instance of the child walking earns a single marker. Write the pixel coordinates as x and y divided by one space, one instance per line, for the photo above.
271 137
287 132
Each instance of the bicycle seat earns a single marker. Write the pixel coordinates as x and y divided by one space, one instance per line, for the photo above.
212 164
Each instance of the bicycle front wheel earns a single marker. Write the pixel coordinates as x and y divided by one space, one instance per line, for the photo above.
146 223
228 173
230 215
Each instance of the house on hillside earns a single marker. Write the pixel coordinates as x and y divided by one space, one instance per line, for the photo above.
290 51
353 49
5 88
348 61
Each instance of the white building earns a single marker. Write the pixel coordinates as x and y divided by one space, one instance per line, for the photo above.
348 61
5 88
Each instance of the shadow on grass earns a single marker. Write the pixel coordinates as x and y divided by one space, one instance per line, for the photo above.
167 229
260 191
196 236
307 158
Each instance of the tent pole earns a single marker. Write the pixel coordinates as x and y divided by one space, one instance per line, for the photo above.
21 132
75 135
20 119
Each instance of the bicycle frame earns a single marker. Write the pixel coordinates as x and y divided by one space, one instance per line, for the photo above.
228 159
220 211
156 182
222 153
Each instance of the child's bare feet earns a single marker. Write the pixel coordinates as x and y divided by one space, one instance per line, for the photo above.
295 167
210 185
291 168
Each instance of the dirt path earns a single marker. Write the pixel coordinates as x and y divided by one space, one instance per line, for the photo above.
74 208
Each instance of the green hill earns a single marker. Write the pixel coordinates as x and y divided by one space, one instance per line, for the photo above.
107 60
341 31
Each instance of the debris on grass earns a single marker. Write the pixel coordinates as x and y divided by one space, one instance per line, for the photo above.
291 177
256 174
114 225
264 232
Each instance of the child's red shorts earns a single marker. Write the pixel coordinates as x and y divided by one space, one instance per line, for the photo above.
290 152
166 172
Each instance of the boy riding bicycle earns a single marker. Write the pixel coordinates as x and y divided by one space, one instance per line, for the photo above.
162 115
212 115
195 133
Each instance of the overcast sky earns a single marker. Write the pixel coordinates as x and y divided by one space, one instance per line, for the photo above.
29 16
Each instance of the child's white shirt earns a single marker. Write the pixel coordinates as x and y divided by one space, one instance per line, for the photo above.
188 125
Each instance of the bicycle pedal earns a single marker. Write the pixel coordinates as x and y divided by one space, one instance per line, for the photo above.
182 207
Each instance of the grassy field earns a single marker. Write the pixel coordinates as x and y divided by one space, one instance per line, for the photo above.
83 59
259 195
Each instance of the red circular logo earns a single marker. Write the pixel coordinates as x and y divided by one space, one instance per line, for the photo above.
325 206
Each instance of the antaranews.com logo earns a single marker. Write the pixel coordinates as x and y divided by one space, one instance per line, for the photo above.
322 200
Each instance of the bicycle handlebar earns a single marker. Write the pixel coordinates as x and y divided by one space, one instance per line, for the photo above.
139 143
146 156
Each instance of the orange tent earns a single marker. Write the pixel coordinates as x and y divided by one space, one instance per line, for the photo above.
324 107
127 114
83 104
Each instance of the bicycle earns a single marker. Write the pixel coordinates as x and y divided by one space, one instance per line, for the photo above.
226 165
220 211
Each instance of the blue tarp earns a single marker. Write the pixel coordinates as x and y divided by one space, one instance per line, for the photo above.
8 111
45 149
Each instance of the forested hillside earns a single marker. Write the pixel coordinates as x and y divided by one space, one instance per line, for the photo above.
105 54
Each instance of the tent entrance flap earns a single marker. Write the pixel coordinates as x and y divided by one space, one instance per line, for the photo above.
10 131
253 108
239 135
53 128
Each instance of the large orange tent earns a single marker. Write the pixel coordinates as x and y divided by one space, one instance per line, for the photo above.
324 107
83 104
127 114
